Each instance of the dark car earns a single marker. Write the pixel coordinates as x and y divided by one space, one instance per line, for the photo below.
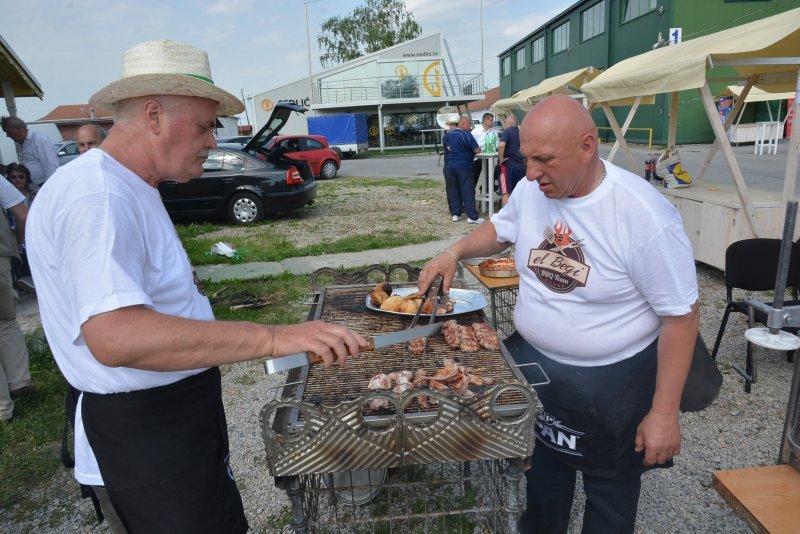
240 139
314 149
245 183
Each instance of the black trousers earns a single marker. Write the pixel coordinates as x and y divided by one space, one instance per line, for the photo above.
611 504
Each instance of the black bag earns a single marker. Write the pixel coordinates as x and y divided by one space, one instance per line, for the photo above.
703 382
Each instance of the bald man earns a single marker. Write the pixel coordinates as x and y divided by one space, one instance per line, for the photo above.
608 305
89 136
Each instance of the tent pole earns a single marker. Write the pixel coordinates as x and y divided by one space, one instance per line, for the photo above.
625 127
612 120
740 103
790 178
673 120
722 139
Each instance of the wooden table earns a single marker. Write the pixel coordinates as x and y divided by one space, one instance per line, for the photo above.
502 297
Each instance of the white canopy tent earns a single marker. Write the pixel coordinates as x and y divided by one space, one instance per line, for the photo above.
764 52
569 83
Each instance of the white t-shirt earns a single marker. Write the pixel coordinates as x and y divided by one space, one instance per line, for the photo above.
480 134
99 239
596 272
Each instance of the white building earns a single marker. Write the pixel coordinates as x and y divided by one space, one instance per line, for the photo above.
399 88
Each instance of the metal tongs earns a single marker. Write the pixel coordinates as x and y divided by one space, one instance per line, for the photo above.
439 295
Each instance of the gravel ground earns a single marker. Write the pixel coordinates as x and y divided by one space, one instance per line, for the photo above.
738 430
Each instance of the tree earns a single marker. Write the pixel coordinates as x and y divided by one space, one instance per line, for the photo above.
374 26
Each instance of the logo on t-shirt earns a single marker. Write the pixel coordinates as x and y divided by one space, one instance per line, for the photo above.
558 262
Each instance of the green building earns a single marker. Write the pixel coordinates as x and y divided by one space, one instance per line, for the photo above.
600 33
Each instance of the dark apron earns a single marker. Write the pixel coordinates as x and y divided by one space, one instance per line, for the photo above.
591 413
163 454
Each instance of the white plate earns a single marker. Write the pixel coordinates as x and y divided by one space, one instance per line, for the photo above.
465 301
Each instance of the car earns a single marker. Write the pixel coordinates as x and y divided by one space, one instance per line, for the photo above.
246 183
66 151
324 160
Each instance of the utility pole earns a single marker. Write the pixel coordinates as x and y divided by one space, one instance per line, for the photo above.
483 82
246 115
308 42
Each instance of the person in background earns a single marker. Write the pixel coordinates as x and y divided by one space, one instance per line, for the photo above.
89 136
126 316
479 133
463 148
15 375
596 247
449 125
20 177
510 158
34 150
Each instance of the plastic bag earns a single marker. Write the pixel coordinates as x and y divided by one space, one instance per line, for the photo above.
223 249
670 169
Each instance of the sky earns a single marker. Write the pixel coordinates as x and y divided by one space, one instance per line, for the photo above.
75 47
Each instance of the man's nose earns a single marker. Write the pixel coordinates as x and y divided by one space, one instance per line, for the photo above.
532 171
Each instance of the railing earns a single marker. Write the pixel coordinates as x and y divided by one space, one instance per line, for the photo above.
395 88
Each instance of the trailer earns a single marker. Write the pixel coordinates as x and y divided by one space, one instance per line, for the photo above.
346 133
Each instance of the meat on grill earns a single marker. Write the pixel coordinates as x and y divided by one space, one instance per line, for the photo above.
469 338
417 346
486 336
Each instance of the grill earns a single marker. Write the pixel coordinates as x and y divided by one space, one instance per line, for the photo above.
322 426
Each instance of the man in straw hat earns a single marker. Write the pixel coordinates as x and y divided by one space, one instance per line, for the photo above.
127 321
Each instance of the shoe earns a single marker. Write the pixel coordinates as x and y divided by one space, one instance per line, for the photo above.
24 391
456 218
475 221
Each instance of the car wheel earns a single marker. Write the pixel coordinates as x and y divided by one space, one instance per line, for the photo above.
337 150
328 169
245 208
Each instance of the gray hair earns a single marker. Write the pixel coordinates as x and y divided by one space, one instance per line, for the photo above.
12 122
101 132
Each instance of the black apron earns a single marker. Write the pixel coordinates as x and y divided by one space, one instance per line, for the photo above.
163 454
591 414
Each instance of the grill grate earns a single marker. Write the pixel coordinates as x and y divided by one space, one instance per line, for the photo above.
347 306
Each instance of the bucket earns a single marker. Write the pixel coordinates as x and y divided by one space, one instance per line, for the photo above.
355 488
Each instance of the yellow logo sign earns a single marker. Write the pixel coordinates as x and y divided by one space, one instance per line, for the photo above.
401 71
267 104
373 131
432 79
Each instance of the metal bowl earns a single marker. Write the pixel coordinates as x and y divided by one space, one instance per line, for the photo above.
355 488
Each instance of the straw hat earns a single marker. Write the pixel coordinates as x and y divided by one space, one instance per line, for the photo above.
165 68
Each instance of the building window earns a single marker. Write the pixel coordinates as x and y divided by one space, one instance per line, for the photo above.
593 21
637 8
538 50
520 58
506 65
561 38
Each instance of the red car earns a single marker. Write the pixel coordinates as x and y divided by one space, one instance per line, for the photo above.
312 149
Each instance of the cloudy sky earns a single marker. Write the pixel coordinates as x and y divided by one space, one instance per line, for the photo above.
74 47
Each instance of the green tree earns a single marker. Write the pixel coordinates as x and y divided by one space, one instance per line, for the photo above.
374 26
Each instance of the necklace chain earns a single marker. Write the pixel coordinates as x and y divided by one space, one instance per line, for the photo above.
602 177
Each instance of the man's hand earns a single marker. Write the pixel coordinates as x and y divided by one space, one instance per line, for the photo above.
659 436
332 342
444 264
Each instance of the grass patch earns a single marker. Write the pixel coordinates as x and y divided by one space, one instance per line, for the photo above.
285 294
29 443
280 520
270 247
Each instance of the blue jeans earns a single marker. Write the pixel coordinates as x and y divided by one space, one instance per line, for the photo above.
462 192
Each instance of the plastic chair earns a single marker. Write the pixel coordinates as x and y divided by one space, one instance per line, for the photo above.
752 265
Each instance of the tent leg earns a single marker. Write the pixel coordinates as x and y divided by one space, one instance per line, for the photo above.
625 127
722 139
739 106
789 179
612 120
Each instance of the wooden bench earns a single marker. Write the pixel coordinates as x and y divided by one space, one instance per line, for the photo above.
766 498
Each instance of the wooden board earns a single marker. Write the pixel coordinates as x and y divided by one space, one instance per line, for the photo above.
492 283
766 498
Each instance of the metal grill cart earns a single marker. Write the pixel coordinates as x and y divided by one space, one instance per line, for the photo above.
446 465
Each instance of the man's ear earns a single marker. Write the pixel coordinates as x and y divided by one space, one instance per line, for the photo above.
588 145
154 116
